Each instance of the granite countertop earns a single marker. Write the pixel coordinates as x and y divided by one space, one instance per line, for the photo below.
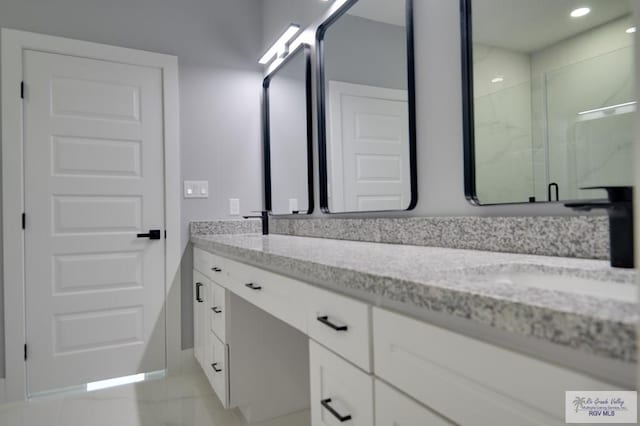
509 292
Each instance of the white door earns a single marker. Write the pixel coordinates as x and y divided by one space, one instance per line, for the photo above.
368 148
94 173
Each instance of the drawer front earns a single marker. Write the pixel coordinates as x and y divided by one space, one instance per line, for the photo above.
202 261
396 409
340 392
218 311
491 385
280 296
212 266
217 370
341 324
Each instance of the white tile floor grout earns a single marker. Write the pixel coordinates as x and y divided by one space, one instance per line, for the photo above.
180 400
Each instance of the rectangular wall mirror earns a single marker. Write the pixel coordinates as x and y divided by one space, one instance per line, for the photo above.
366 108
288 136
549 102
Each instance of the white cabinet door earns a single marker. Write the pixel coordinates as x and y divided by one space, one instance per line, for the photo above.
200 325
217 368
396 409
340 392
93 180
490 385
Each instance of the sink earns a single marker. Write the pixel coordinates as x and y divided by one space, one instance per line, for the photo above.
623 292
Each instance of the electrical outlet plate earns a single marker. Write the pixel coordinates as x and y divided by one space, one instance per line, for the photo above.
196 189
234 206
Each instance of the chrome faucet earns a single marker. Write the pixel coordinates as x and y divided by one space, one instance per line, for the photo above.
619 206
264 216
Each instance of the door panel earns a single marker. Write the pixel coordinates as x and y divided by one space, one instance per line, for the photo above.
94 178
368 148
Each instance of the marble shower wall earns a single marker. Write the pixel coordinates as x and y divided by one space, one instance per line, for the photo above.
586 72
528 130
502 108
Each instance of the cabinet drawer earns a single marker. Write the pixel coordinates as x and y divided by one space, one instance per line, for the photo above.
217 370
202 261
280 296
341 324
212 266
340 392
491 385
396 409
218 311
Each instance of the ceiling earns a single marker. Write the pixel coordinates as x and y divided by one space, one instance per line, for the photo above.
388 11
534 24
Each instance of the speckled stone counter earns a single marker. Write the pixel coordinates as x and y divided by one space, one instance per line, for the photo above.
462 283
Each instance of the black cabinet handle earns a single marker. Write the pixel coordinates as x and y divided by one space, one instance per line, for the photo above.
153 234
215 367
325 321
325 403
216 269
252 286
198 298
216 310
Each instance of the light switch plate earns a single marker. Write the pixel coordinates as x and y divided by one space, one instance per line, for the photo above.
196 189
234 206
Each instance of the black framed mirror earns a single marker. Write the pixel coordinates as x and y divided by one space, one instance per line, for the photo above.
288 135
548 97
366 108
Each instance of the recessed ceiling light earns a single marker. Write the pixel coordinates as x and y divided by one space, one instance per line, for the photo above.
581 11
630 30
498 79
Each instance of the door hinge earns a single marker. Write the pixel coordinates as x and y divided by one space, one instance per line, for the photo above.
24 221
25 351
22 90
165 234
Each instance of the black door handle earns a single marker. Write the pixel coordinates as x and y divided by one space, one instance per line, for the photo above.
252 286
215 368
198 298
216 310
216 269
325 403
153 234
325 321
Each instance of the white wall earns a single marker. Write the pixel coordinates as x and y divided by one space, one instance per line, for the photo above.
439 109
217 43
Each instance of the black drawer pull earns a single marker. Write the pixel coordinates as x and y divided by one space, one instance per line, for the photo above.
215 367
325 321
198 298
252 286
325 403
216 310
216 269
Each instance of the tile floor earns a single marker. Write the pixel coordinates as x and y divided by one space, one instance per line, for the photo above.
180 400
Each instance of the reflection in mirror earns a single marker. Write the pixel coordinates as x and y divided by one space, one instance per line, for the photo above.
288 136
366 114
549 98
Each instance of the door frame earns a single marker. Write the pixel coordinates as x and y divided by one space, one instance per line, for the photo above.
14 42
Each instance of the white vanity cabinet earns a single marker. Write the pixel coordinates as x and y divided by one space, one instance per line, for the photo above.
290 345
